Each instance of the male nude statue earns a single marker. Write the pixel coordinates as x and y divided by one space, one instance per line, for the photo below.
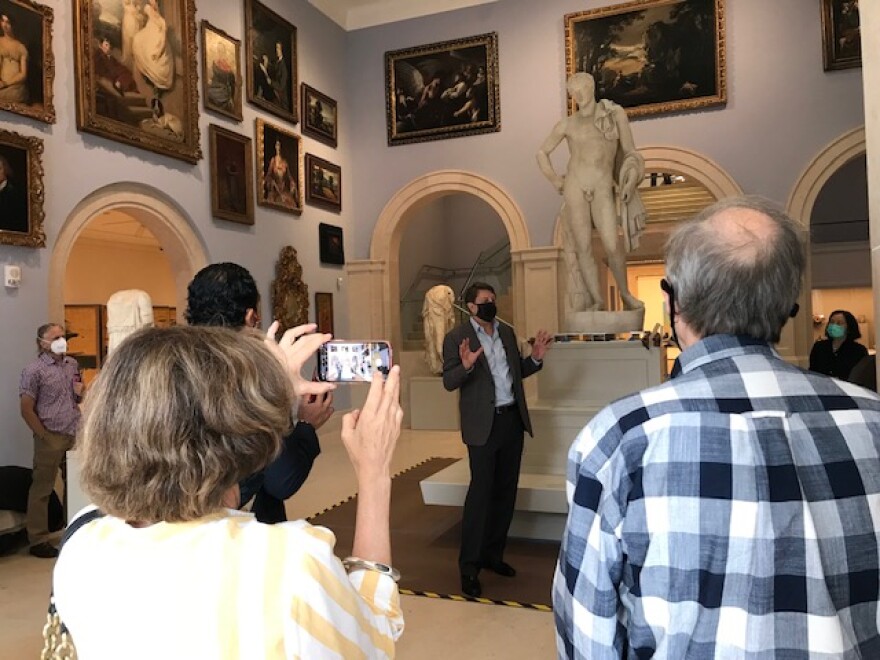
604 166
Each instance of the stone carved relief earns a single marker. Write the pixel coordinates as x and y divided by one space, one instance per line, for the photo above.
290 295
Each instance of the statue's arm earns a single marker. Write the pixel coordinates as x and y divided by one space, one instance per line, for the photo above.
632 168
550 143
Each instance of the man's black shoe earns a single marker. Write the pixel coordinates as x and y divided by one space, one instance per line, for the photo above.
44 550
470 586
502 568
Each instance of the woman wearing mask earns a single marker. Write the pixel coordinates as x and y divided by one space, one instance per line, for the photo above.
839 353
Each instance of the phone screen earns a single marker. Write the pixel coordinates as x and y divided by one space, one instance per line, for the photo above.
353 361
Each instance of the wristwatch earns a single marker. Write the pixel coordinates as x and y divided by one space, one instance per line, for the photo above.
356 563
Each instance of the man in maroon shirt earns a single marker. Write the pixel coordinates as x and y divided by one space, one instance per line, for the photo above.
51 387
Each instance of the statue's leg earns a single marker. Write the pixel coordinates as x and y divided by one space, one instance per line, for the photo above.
581 228
605 218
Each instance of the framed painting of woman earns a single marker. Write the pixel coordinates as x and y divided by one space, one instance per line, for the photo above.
221 72
27 65
136 74
279 169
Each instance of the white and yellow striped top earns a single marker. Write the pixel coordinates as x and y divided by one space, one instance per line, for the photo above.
222 587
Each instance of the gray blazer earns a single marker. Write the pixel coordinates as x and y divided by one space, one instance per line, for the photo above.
477 401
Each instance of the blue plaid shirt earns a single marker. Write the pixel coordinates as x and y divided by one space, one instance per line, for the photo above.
732 512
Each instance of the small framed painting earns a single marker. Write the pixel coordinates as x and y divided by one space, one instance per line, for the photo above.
330 248
21 190
324 183
279 175
221 72
324 312
319 116
232 176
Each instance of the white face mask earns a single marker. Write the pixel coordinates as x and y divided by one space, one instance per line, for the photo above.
59 346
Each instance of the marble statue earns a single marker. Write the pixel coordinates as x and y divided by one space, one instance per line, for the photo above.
127 311
438 316
599 189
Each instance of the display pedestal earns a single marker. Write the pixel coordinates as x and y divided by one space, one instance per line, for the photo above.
578 380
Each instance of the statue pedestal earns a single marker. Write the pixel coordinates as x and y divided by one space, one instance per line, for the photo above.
630 320
578 380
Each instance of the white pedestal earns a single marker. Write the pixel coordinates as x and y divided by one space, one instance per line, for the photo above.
578 380
431 407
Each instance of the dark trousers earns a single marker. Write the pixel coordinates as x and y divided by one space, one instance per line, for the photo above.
488 507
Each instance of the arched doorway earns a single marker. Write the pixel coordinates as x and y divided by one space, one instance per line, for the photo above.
151 208
380 276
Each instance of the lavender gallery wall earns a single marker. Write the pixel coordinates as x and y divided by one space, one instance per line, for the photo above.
782 108
76 164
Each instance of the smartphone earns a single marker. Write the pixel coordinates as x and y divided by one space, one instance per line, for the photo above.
342 361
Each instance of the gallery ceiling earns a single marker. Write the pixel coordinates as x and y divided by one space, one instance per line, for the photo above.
358 14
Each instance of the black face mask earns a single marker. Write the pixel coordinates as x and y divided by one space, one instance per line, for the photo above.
670 291
486 311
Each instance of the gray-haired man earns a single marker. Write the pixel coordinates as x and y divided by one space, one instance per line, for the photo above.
732 511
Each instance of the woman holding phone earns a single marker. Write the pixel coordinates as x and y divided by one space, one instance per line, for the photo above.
177 418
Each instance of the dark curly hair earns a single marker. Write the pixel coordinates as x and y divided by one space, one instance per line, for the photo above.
221 294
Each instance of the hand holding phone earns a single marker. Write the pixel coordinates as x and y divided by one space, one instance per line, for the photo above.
353 361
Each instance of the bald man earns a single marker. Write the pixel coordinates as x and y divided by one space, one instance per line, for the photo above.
730 512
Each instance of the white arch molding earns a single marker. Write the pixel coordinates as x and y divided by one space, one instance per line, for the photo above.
382 269
153 209
800 205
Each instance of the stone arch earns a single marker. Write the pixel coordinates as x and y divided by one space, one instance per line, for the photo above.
689 163
393 220
810 183
149 206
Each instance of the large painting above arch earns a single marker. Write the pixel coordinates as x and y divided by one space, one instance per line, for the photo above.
137 74
651 56
443 90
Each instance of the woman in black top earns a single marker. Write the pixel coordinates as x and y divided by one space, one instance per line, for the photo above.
839 353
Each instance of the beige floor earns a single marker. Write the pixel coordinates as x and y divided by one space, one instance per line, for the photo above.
434 628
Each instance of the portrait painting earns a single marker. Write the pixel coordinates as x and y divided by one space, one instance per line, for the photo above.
27 64
270 50
319 118
21 190
279 175
651 56
324 312
330 248
232 178
841 34
323 183
221 72
443 90
137 80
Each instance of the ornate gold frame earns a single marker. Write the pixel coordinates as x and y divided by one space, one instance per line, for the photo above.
236 112
290 295
678 105
311 162
831 58
45 113
250 8
261 127
87 117
34 189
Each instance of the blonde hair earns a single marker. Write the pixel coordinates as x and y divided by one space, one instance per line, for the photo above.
177 417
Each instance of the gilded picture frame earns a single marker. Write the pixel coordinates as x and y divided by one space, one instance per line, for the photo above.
443 90
841 35
651 56
23 195
320 116
29 25
232 175
221 72
290 295
137 74
279 168
323 183
272 63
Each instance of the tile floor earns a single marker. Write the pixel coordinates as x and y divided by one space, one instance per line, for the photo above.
434 628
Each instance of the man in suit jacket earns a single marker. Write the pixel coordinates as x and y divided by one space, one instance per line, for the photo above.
481 358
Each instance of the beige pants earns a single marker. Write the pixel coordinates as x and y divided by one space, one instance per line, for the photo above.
49 452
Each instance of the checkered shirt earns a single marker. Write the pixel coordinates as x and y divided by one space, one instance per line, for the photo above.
732 512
